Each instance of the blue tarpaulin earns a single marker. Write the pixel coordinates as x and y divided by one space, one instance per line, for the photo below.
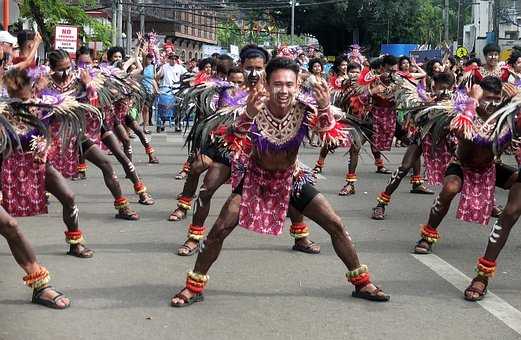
398 49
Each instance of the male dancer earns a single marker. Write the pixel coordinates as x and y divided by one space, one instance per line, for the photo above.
381 87
63 80
473 172
443 84
122 106
486 264
253 59
262 178
37 276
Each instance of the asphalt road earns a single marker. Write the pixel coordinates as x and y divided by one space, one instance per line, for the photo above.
259 288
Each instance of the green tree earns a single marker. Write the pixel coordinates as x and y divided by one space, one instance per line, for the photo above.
376 21
49 13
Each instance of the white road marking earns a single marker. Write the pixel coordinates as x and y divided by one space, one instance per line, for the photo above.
491 303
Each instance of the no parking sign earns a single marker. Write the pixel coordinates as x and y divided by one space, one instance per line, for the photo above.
66 38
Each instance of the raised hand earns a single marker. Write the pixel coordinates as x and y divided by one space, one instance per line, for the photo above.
322 95
85 77
256 100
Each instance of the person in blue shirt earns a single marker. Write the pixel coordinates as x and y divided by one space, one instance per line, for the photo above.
149 82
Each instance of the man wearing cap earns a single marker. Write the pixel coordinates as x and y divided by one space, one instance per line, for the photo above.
171 72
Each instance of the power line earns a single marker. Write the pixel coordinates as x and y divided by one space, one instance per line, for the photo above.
201 6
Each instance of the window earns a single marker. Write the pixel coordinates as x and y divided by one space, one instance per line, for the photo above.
190 55
512 35
183 54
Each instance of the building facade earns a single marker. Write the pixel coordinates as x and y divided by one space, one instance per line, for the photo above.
184 22
479 32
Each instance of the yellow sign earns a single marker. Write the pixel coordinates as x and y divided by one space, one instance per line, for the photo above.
462 52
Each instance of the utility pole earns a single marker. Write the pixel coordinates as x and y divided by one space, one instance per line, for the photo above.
496 21
129 30
388 30
446 18
292 21
119 23
114 22
141 17
460 25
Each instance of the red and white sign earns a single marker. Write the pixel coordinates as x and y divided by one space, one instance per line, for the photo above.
66 38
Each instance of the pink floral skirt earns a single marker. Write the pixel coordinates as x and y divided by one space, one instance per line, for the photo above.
63 158
23 186
265 196
384 126
477 195
436 159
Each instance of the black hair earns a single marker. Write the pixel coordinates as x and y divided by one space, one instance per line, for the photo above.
389 60
55 56
338 61
516 54
375 63
402 58
234 69
113 50
489 48
429 67
223 63
83 50
473 60
491 84
281 63
352 65
253 51
203 62
23 37
312 63
446 78
452 61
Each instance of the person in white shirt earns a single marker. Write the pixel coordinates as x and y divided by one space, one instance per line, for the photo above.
170 73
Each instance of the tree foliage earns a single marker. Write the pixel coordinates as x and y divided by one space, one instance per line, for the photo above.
49 13
252 28
376 21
